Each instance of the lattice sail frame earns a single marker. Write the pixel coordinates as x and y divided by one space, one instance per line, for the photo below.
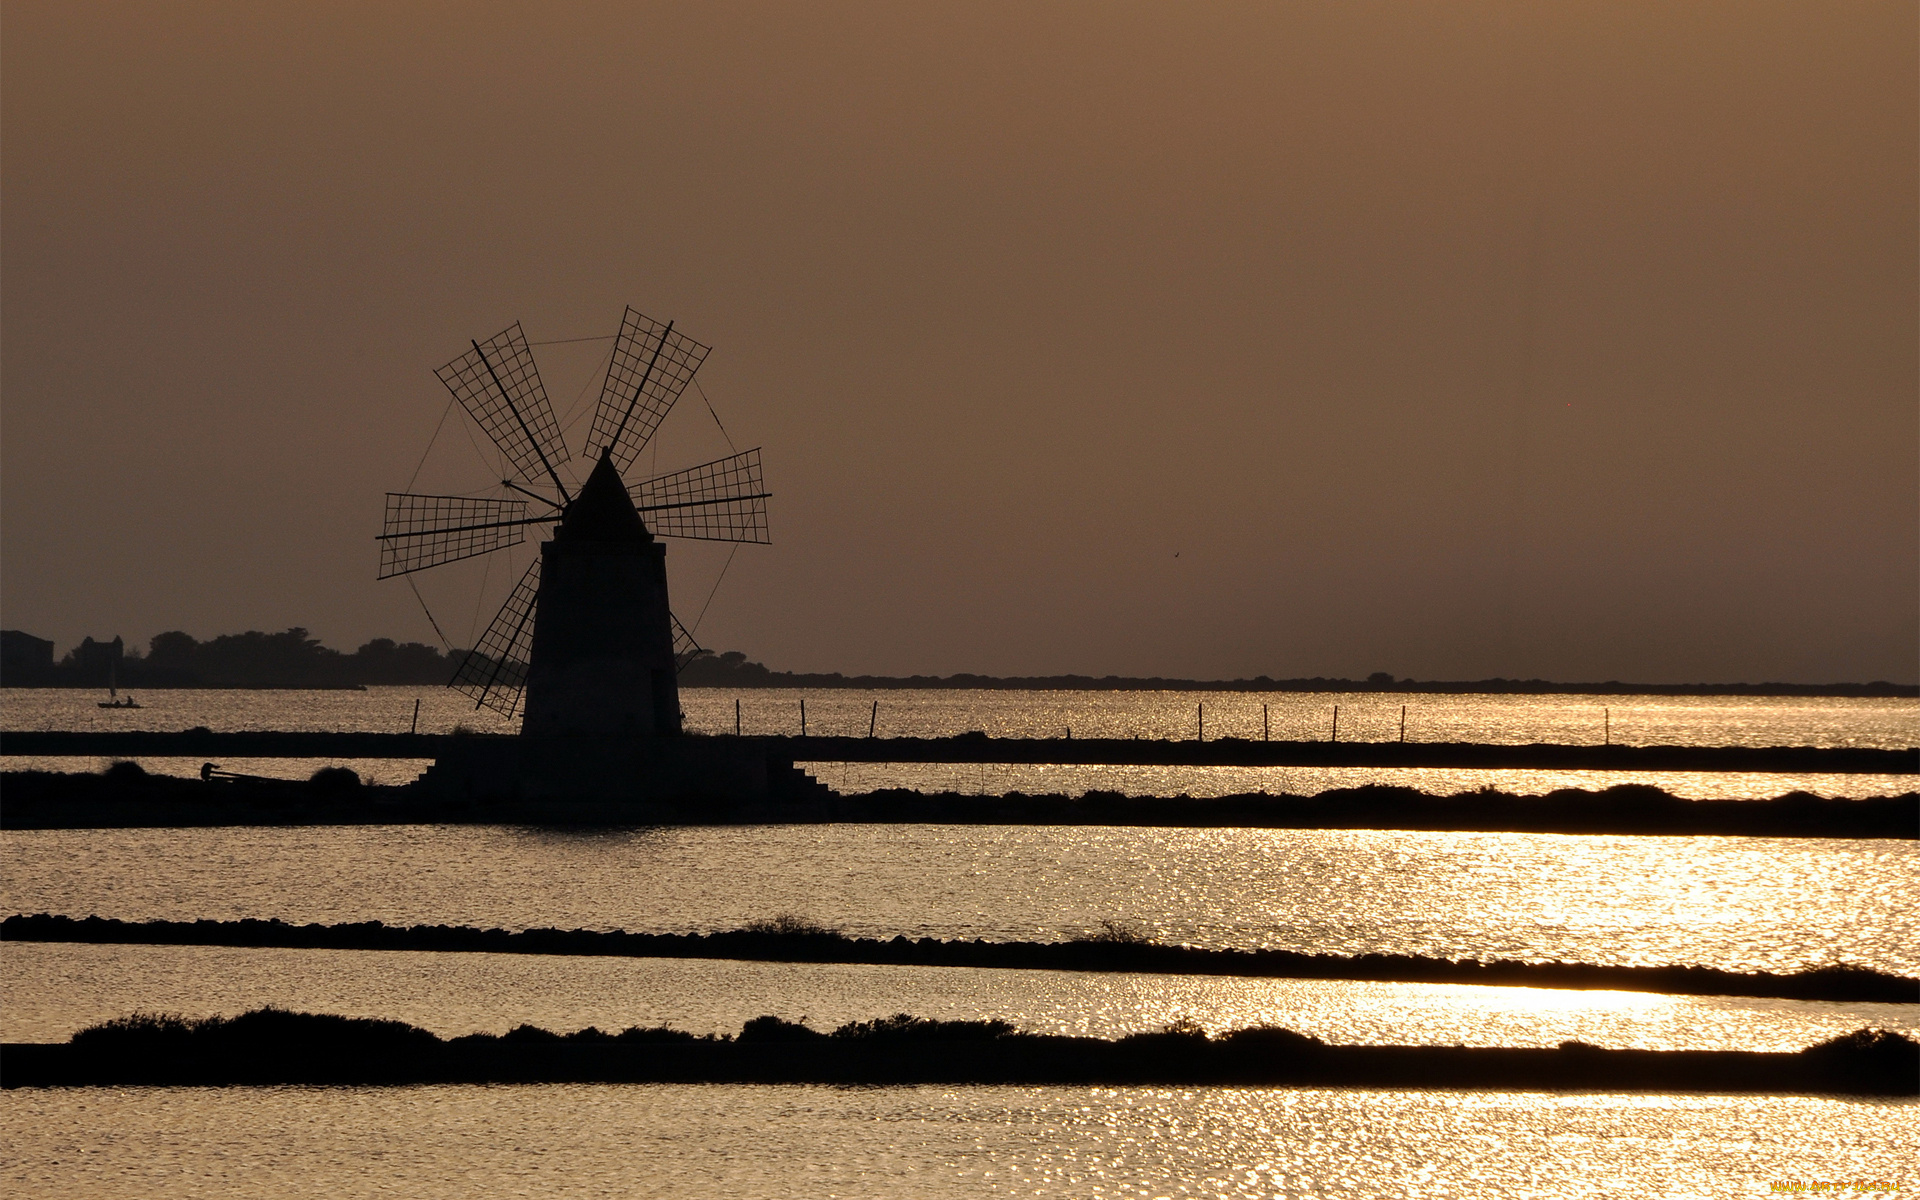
721 501
651 365
494 672
424 531
500 388
685 649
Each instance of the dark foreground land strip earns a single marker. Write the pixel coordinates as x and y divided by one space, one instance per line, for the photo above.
1854 984
125 797
270 1047
979 748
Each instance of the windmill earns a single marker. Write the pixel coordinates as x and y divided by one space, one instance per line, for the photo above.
585 643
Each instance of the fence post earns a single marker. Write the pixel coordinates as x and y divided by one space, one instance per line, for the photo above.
1336 724
1266 729
1403 722
873 719
736 716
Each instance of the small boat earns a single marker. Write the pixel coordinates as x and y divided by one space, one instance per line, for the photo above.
114 698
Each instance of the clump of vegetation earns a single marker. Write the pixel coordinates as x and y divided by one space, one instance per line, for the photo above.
316 1034
1118 933
126 771
1870 1041
1271 1037
905 1027
144 1026
791 925
773 1029
1183 1031
335 779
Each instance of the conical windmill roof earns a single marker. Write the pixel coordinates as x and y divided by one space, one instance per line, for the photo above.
603 511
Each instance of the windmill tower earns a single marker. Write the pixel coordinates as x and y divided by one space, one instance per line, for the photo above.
585 649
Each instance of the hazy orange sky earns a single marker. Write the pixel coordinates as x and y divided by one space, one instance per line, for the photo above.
1453 340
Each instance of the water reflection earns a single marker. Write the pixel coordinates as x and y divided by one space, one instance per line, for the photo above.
1774 904
933 1143
1577 720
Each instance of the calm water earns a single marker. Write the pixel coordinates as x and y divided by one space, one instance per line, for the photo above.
763 1142
1636 720
1737 903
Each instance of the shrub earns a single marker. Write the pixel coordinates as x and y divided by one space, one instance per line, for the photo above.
1868 1042
1118 933
790 925
1182 1032
1271 1037
335 779
905 1027
773 1029
660 1035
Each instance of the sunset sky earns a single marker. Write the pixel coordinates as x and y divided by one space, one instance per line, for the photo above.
1457 340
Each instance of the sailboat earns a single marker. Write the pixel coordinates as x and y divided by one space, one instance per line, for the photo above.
114 698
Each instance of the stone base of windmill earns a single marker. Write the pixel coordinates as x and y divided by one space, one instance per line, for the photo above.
637 779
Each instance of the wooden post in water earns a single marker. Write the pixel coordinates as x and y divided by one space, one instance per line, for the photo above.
1607 737
1202 717
736 716
1266 729
415 727
873 719
803 716
1336 724
1403 722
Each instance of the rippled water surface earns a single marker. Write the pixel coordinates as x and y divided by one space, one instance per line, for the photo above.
1633 720
1740 903
1370 716
763 1142
1737 903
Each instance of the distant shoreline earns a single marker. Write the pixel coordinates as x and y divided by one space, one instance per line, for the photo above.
733 670
1085 683
293 660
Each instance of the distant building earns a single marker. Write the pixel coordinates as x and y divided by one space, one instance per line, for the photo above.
25 660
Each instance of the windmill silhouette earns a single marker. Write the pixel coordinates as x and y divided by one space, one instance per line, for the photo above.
585 637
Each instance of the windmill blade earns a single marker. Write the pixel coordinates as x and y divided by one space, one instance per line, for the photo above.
652 364
721 501
498 385
425 531
494 673
685 649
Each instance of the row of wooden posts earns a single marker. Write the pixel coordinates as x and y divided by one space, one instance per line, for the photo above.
873 718
1200 720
